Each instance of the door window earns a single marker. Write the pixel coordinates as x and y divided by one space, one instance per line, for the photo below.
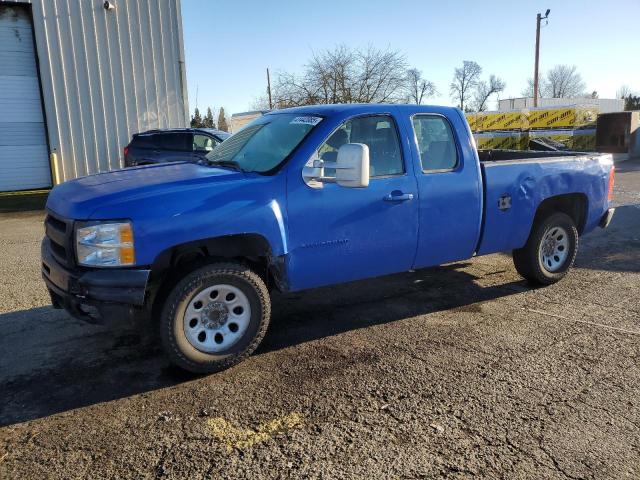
203 143
379 133
436 144
181 142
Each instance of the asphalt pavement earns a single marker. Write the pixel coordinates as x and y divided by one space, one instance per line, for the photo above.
460 371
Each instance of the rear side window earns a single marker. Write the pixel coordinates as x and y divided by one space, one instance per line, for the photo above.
436 143
144 141
176 141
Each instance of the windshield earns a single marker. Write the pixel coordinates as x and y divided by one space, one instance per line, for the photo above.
264 143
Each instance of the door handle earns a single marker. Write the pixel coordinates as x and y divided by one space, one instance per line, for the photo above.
398 196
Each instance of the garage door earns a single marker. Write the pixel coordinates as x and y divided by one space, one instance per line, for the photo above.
24 162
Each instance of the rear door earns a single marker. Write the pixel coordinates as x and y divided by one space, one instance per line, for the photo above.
143 149
175 147
340 234
449 184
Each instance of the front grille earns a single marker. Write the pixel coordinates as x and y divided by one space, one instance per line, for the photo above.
59 231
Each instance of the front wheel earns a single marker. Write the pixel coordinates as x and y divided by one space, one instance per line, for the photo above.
550 250
215 317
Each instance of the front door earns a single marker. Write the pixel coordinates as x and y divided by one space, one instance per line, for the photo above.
202 145
340 234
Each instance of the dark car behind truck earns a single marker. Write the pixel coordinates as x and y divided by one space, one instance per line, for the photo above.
302 198
160 146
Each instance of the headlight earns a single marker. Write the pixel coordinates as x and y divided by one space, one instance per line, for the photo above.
105 245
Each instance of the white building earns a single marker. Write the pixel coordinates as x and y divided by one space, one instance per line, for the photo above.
78 77
605 105
239 120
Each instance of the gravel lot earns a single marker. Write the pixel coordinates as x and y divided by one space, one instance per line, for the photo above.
459 371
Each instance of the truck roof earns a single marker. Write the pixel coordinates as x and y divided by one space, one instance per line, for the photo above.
355 108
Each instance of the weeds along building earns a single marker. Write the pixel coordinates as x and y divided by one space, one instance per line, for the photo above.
78 77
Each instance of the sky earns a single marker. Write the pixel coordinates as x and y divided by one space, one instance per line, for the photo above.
228 45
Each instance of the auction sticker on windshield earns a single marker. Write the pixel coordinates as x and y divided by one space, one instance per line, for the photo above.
306 120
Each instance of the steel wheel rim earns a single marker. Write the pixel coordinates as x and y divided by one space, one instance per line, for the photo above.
216 318
554 249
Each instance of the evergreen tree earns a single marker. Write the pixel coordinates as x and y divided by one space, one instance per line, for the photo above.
632 102
222 121
208 119
196 119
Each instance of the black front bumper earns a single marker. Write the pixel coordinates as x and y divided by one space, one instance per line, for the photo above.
94 295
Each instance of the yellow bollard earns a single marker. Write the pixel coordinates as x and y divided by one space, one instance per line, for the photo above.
53 158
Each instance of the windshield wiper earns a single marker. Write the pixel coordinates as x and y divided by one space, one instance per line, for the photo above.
226 163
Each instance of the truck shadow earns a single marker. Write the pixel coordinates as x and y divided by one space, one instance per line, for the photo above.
328 311
52 363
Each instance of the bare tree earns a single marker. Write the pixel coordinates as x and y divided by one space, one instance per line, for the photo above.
561 81
418 88
464 80
260 103
484 90
528 91
380 76
344 75
564 81
624 91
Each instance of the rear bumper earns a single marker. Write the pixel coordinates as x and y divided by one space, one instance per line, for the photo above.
94 295
606 218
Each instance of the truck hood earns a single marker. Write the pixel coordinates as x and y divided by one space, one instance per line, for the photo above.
79 199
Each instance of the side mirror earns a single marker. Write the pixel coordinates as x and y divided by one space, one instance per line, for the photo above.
352 165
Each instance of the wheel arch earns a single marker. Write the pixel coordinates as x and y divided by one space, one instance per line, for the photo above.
576 205
251 249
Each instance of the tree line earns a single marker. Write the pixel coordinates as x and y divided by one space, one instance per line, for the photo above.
631 98
371 75
198 121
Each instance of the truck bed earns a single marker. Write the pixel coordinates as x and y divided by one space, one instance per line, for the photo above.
525 155
517 182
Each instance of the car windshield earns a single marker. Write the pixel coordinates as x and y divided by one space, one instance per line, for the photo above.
265 143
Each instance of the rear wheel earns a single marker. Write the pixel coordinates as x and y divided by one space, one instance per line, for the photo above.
550 250
215 317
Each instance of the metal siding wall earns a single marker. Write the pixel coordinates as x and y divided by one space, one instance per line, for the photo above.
106 75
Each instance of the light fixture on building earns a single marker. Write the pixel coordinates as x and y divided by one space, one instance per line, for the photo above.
109 6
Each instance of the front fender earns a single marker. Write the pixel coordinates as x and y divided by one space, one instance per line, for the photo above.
178 217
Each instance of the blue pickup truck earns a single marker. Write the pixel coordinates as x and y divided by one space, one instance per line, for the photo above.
302 198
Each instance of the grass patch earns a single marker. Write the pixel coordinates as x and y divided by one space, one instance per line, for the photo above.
23 201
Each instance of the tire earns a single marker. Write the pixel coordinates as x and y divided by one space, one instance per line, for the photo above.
201 330
550 250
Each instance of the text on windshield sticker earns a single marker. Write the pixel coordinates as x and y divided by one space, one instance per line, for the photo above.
306 120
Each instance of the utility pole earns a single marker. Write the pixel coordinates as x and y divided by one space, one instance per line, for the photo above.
539 18
269 90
